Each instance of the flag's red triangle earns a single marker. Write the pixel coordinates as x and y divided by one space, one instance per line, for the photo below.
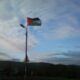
29 21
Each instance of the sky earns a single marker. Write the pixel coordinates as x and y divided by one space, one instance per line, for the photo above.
56 41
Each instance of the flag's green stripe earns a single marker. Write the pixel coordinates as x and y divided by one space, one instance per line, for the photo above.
36 22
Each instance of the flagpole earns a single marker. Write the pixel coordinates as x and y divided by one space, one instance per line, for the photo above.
26 57
30 22
26 48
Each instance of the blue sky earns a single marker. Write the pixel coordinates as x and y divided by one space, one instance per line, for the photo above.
57 40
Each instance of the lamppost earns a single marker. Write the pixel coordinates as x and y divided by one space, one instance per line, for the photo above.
26 60
30 22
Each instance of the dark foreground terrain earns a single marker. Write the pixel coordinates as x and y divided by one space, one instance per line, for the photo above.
10 70
35 78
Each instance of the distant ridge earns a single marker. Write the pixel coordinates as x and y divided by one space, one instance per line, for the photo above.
39 69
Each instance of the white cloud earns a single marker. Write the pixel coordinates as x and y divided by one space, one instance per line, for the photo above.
11 11
62 32
5 56
65 32
12 37
70 57
2 57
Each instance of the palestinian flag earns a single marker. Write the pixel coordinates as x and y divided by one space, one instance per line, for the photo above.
33 22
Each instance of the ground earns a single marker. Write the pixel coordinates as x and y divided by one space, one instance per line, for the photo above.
34 78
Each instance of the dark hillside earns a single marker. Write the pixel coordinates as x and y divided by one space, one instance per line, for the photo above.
10 68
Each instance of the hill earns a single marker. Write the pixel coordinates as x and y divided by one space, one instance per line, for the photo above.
11 68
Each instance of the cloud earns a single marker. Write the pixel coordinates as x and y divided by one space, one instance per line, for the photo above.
65 32
62 32
70 57
73 54
16 43
58 14
12 36
77 46
64 22
68 61
4 56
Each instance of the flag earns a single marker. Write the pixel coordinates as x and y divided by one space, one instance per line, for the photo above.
33 22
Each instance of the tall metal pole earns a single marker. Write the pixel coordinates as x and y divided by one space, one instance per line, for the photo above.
26 49
26 57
